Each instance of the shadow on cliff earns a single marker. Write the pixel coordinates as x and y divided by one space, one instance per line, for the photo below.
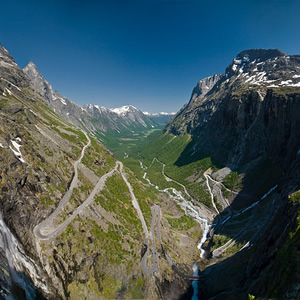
256 268
19 293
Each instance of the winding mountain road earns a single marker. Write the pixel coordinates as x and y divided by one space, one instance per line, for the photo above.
43 230
151 270
134 202
65 199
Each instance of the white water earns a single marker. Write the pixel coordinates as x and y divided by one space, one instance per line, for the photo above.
207 227
20 265
178 196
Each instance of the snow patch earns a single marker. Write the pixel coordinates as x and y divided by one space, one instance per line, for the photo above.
17 151
246 58
63 101
286 82
33 112
296 76
12 84
295 84
101 108
123 110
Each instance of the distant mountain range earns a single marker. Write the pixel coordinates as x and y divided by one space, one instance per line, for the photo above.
89 117
161 118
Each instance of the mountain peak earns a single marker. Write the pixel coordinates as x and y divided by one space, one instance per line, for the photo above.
260 54
32 69
249 59
124 109
5 55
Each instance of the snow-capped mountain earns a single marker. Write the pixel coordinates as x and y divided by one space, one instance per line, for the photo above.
257 86
120 118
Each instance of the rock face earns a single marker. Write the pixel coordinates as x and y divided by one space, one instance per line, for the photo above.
236 119
204 86
249 115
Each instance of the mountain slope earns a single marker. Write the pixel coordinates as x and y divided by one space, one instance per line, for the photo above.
119 129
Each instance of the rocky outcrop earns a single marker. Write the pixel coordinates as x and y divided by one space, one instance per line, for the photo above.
204 86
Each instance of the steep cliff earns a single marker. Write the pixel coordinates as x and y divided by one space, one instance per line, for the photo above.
235 146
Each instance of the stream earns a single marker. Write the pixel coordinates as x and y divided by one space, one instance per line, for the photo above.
177 195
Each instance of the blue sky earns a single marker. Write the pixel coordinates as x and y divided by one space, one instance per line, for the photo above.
148 53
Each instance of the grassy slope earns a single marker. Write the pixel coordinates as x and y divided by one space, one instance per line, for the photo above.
168 148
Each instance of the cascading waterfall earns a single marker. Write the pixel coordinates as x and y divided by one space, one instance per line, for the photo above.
19 264
178 196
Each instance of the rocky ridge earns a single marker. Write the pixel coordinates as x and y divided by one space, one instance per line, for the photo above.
258 91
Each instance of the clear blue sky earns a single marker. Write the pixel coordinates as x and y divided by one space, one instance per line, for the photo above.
148 53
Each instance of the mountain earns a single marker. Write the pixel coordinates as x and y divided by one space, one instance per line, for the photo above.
235 147
240 107
126 118
161 118
60 104
74 222
222 181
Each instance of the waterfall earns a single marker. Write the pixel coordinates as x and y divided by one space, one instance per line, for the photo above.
19 263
